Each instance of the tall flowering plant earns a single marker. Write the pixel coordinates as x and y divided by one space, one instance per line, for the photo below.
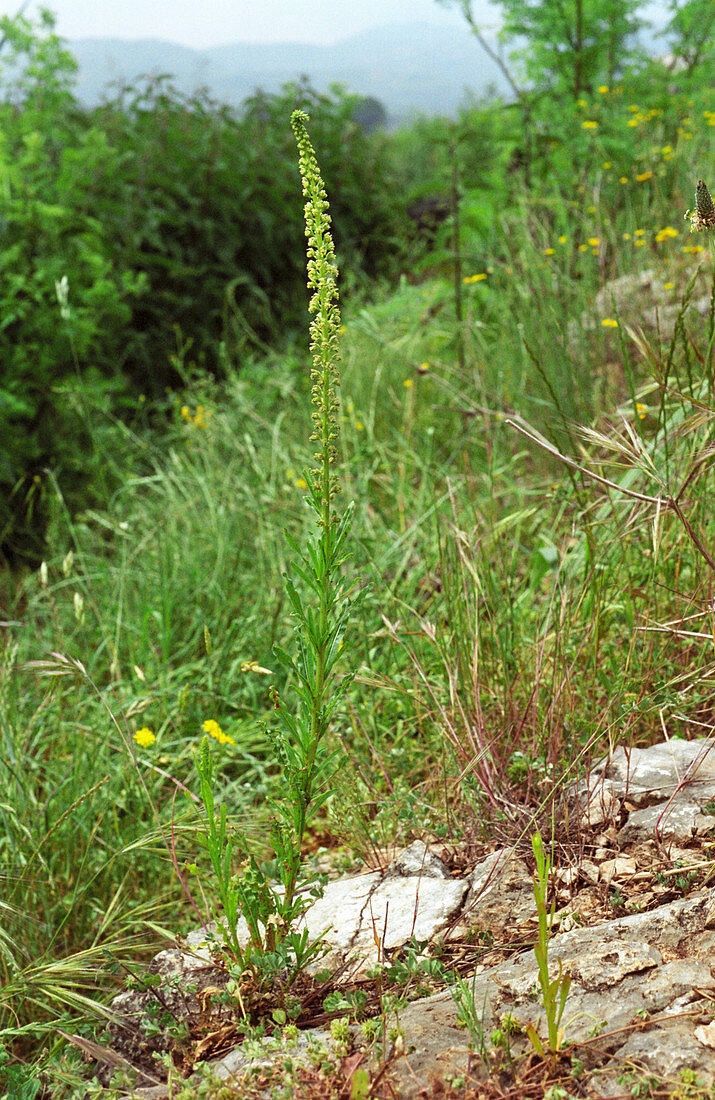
321 606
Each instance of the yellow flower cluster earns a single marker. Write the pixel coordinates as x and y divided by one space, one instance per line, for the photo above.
199 419
144 737
298 482
637 116
212 728
474 278
665 234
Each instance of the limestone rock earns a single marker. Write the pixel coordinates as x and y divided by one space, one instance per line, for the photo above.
644 982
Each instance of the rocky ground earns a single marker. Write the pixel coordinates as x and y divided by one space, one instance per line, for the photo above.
634 928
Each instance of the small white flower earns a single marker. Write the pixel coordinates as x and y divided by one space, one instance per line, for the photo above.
79 607
62 290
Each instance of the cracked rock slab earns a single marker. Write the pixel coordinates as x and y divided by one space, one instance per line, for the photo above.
646 1007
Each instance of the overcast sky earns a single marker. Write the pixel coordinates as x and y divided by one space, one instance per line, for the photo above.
211 22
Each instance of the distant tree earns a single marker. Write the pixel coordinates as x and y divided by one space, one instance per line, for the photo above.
369 114
691 33
571 45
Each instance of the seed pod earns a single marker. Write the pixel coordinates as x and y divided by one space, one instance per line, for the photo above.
704 207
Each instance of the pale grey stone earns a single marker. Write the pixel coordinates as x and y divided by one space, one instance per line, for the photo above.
643 982
417 859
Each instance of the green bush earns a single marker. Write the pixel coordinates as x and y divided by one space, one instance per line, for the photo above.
52 247
167 227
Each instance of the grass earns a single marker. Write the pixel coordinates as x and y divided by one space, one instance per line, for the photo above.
518 615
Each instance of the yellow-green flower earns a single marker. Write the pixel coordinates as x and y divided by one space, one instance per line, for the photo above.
623 179
589 124
253 666
641 410
609 322
423 368
643 176
562 239
665 233
549 251
475 278
408 383
603 89
212 728
144 737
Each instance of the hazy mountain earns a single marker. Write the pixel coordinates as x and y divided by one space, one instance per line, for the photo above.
410 68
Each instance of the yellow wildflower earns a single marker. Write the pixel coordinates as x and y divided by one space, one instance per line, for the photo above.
144 737
562 239
589 124
408 383
594 241
549 251
664 234
643 176
212 728
609 322
603 89
641 410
